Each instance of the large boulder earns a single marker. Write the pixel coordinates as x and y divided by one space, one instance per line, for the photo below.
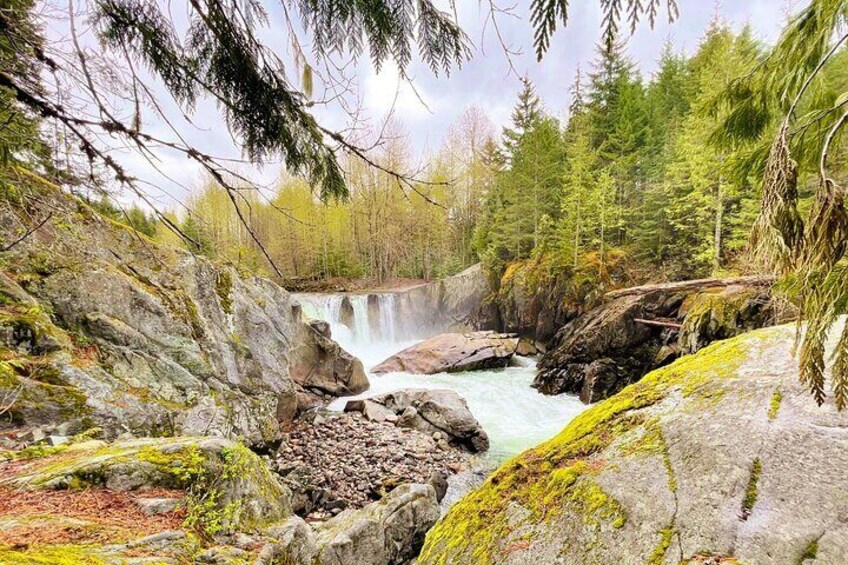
720 457
618 342
101 326
229 488
453 352
388 532
430 411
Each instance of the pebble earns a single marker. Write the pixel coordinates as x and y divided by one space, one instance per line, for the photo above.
356 461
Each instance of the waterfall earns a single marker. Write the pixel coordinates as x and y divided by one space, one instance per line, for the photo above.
371 326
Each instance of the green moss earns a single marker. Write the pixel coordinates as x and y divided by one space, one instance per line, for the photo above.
51 555
774 404
658 555
751 490
224 288
811 551
545 481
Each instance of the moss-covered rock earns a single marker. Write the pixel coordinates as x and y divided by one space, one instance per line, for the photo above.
229 488
722 313
691 461
151 339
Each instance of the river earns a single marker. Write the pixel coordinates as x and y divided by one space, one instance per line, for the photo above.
514 415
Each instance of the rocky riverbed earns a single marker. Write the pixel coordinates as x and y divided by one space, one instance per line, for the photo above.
333 461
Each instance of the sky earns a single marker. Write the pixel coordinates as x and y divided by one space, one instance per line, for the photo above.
487 80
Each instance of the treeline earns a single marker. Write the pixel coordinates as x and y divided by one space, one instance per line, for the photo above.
631 184
419 226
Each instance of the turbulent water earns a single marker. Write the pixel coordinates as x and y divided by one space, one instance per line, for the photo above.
514 415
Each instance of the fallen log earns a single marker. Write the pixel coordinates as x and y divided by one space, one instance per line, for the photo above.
697 284
660 323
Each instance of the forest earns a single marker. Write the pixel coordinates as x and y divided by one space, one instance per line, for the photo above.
635 181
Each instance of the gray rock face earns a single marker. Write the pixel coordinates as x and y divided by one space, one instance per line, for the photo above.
430 411
721 457
613 345
463 294
388 532
453 352
142 338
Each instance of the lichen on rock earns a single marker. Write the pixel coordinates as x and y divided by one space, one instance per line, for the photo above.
662 473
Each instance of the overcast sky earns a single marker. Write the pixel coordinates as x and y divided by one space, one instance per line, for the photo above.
485 81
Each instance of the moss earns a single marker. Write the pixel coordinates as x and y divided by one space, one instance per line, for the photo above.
811 551
544 480
657 557
51 555
224 288
774 404
751 490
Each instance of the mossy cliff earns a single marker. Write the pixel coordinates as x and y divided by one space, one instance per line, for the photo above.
661 473
100 325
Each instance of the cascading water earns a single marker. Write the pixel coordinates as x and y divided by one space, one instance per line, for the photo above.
514 415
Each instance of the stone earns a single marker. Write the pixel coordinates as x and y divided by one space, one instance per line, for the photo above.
295 544
253 495
526 347
439 482
57 440
453 352
184 347
156 506
605 349
388 532
721 457
436 411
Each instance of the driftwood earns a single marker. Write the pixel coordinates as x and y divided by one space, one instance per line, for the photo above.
698 284
661 323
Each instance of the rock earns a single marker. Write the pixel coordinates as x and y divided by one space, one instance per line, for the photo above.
348 461
295 544
247 496
321 367
721 457
611 346
372 411
453 352
462 295
57 440
347 314
526 347
164 342
723 313
155 506
439 482
435 411
388 532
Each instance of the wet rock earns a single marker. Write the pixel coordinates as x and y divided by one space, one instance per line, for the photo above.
453 352
436 411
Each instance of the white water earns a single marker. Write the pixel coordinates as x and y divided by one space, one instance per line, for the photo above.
514 415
